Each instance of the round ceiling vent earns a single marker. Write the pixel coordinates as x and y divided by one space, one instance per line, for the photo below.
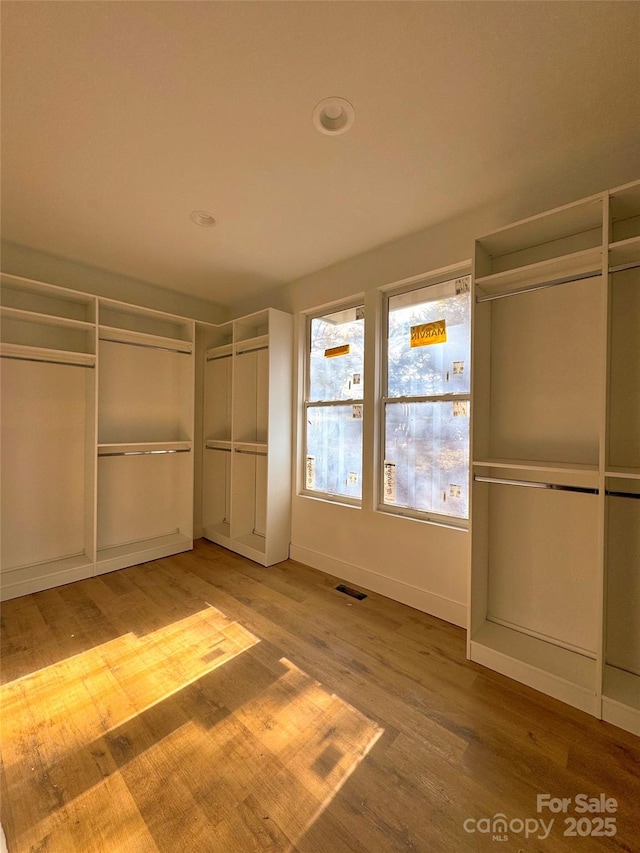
202 218
333 116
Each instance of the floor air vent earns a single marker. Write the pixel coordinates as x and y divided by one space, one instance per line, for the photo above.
354 593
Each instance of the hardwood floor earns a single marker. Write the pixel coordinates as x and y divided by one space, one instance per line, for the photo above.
203 703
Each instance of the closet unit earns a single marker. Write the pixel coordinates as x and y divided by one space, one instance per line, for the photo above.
621 687
246 488
47 385
554 598
145 435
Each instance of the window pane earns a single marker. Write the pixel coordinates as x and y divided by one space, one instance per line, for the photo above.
336 369
333 463
430 367
427 457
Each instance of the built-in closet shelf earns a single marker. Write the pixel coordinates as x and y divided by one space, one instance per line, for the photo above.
131 553
559 672
143 448
219 533
587 261
252 344
222 351
218 444
259 447
527 465
26 316
51 301
115 334
623 473
621 699
624 251
23 580
30 353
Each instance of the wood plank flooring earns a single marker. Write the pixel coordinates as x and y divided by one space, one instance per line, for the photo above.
203 703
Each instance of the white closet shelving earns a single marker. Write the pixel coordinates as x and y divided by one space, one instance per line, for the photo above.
552 552
621 688
47 376
145 435
246 485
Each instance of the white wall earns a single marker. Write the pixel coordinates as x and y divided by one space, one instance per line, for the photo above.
421 564
22 261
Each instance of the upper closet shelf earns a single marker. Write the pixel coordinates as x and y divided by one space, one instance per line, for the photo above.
252 344
526 465
143 339
582 264
222 351
624 251
27 316
29 353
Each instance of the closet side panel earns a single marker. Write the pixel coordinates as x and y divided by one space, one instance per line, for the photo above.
43 429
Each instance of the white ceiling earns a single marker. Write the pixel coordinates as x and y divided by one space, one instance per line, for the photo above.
120 118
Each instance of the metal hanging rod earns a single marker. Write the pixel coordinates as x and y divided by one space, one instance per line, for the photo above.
222 449
144 452
621 267
540 286
146 346
251 452
615 494
532 485
46 361
220 357
252 349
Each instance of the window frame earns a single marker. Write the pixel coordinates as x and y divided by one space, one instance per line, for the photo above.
307 403
462 271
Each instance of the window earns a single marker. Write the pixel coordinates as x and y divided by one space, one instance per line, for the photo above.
333 404
425 412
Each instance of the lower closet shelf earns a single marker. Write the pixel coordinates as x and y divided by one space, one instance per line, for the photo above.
556 671
132 553
23 580
621 699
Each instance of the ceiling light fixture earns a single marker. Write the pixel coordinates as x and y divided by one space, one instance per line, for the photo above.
333 116
202 218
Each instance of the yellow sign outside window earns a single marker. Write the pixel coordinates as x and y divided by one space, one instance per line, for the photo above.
429 333
335 351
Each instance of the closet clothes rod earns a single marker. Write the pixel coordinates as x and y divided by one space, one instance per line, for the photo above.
46 361
223 449
219 357
147 346
144 452
554 282
251 452
614 494
554 486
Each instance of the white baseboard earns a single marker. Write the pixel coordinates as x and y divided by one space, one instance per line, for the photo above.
421 599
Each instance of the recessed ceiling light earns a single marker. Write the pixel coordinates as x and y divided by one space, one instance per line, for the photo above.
202 218
333 116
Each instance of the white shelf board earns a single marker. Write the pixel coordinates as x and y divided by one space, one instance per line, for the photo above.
126 336
574 218
526 465
9 350
558 672
623 472
218 443
621 699
625 201
251 344
23 580
45 319
132 553
222 351
253 446
65 294
576 263
106 449
624 251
